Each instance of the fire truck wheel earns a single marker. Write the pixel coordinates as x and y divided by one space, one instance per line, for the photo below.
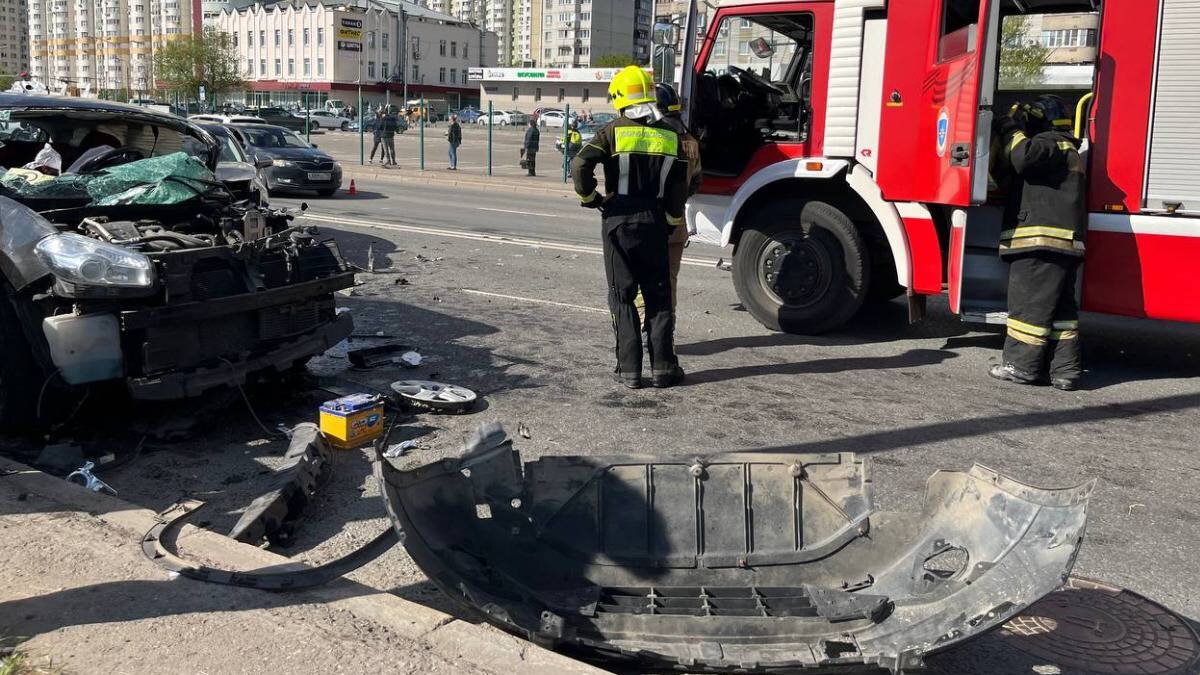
19 376
801 267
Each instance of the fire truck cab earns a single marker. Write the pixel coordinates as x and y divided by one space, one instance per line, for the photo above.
847 158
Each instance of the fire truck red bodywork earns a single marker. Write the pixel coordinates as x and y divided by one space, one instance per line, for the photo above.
1139 262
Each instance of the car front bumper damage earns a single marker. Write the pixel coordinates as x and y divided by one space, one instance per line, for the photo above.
749 562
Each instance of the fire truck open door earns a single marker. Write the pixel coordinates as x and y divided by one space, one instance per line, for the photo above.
938 82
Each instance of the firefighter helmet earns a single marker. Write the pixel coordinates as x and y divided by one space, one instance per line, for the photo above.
1050 112
631 86
667 99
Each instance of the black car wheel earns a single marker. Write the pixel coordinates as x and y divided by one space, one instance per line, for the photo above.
20 378
801 267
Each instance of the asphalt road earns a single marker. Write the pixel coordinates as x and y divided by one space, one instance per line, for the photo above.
504 293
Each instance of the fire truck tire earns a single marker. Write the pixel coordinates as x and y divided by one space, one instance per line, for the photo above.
803 275
20 378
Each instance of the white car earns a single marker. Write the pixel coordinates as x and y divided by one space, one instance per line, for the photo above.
553 119
503 118
323 119
227 119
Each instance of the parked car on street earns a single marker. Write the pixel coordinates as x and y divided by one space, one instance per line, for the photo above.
468 115
504 118
225 119
137 268
295 165
280 117
554 119
235 168
323 119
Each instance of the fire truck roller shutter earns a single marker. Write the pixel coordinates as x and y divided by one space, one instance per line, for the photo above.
1174 174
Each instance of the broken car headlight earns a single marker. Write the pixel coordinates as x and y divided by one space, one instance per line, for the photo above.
80 260
282 162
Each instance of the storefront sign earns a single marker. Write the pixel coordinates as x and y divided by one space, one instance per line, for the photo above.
539 74
352 23
345 46
349 34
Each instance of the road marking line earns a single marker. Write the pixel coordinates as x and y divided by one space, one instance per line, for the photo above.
520 213
490 238
536 301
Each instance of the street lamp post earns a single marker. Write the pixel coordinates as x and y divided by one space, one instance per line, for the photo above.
361 149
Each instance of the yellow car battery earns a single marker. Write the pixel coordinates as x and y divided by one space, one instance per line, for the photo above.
351 421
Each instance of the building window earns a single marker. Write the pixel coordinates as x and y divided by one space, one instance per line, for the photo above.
291 37
371 69
416 73
587 93
307 67
278 68
262 38
454 49
276 37
442 48
384 72
743 48
291 66
304 39
516 93
249 39
453 76
1071 37
320 66
385 40
262 66
249 67
442 75
562 94
371 39
537 94
320 37
465 46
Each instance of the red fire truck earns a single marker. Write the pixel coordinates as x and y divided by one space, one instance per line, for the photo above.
847 157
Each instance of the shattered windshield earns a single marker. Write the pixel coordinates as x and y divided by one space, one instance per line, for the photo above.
274 138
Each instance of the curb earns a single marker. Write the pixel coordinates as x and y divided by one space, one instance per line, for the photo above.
428 178
487 648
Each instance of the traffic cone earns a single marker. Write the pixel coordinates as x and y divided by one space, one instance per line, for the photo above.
353 190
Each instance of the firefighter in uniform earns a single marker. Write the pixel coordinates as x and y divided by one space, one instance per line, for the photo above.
645 181
1045 220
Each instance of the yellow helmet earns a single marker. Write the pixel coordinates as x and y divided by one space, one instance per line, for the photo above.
631 86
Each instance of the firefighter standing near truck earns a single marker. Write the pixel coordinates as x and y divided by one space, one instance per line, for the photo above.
1045 220
645 181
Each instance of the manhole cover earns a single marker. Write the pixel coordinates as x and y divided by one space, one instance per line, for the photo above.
1095 628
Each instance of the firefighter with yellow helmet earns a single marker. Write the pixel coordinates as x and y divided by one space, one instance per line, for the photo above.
645 188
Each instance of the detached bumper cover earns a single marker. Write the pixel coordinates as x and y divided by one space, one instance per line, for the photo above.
753 562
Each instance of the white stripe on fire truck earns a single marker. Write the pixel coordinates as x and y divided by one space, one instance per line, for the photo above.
1174 226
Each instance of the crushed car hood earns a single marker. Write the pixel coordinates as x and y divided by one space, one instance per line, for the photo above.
751 562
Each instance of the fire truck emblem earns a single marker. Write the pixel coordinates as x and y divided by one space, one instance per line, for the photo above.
943 132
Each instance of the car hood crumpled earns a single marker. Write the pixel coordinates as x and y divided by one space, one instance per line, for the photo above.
750 561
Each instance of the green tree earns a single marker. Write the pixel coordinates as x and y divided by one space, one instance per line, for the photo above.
6 81
1022 59
207 58
614 61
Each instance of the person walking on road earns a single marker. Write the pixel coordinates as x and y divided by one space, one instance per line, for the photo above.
454 139
1045 220
389 125
645 181
377 137
574 140
529 148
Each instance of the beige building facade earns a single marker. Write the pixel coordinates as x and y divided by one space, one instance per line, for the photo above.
14 36
527 89
104 47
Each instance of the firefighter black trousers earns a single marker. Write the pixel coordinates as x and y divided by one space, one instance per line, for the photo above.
635 258
1043 316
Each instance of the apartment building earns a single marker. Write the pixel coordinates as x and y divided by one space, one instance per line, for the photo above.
14 36
103 47
576 32
308 52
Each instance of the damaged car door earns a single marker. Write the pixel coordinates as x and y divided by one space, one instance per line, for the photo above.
125 259
748 562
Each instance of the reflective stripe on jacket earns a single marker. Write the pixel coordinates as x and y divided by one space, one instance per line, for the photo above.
645 168
1046 208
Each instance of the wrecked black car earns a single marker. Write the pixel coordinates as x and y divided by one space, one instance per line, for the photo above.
747 562
124 259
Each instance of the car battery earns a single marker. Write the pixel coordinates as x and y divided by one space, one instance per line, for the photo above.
351 421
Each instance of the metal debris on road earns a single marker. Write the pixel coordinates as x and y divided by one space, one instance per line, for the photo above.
84 476
399 449
434 396
411 359
523 431
379 355
746 561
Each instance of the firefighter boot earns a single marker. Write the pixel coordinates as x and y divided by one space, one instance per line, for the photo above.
1010 373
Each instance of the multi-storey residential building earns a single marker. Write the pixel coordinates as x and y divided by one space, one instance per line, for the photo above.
308 52
576 32
96 47
14 36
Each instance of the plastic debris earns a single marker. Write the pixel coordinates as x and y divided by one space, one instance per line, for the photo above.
84 476
411 359
47 158
524 431
399 449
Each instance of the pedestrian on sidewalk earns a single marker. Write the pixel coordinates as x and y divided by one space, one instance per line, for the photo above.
529 148
377 137
389 123
454 138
